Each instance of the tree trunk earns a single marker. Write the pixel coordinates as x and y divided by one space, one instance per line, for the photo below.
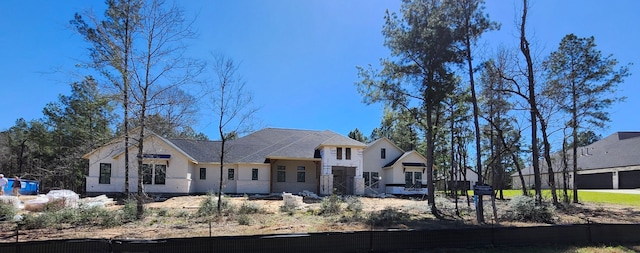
574 124
430 148
547 157
524 48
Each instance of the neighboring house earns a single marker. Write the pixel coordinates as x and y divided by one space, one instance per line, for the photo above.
610 163
271 160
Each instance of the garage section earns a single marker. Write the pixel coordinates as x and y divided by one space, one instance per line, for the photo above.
629 179
595 181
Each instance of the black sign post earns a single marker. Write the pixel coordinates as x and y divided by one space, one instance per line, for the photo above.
482 190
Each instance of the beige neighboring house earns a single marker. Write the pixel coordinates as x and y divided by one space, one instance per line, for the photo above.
610 163
271 160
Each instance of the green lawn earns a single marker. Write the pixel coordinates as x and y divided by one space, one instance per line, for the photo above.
587 196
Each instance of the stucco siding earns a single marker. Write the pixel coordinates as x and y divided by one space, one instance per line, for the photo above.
246 183
291 183
176 180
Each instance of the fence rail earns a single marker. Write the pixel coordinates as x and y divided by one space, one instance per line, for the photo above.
364 241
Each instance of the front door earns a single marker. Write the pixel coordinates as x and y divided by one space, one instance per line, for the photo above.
343 180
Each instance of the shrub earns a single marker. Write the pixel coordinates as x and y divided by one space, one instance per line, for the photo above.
7 211
354 204
523 208
94 216
183 214
164 212
289 209
331 205
209 206
388 216
130 210
249 208
35 221
244 219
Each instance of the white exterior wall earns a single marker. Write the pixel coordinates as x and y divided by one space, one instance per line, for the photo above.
329 160
241 182
374 163
245 183
396 175
176 180
291 183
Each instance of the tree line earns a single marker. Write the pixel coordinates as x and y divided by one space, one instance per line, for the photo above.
137 53
495 114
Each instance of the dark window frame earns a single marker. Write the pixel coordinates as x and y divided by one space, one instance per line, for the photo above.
105 173
254 174
366 176
147 174
339 153
383 153
231 174
347 153
301 175
281 174
160 174
203 173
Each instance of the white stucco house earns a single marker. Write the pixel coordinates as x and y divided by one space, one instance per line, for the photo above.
271 160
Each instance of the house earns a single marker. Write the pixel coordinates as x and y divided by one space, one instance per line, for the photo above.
610 163
271 160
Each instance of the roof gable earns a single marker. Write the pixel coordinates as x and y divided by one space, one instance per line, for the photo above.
405 156
381 140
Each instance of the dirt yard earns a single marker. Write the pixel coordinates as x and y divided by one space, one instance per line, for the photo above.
176 217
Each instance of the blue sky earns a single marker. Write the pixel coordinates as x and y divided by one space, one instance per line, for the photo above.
297 57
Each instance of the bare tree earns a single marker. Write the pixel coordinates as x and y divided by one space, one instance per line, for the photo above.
144 69
231 106
159 66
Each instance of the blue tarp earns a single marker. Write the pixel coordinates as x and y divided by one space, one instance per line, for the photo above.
27 187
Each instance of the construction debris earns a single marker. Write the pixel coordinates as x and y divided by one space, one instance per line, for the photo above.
13 200
308 194
100 201
291 200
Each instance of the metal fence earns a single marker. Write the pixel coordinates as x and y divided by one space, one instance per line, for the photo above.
365 241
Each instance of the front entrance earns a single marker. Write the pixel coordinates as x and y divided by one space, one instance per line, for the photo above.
343 180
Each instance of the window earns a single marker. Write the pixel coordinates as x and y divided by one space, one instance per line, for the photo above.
301 174
105 173
347 154
231 175
413 179
371 179
147 174
339 154
203 173
367 182
254 174
154 176
160 174
375 179
282 173
383 153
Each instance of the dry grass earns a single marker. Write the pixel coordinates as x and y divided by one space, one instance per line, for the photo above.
176 217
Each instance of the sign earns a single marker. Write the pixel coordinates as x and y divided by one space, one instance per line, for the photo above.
482 190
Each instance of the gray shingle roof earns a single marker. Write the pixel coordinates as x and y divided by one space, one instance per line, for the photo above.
266 143
620 149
